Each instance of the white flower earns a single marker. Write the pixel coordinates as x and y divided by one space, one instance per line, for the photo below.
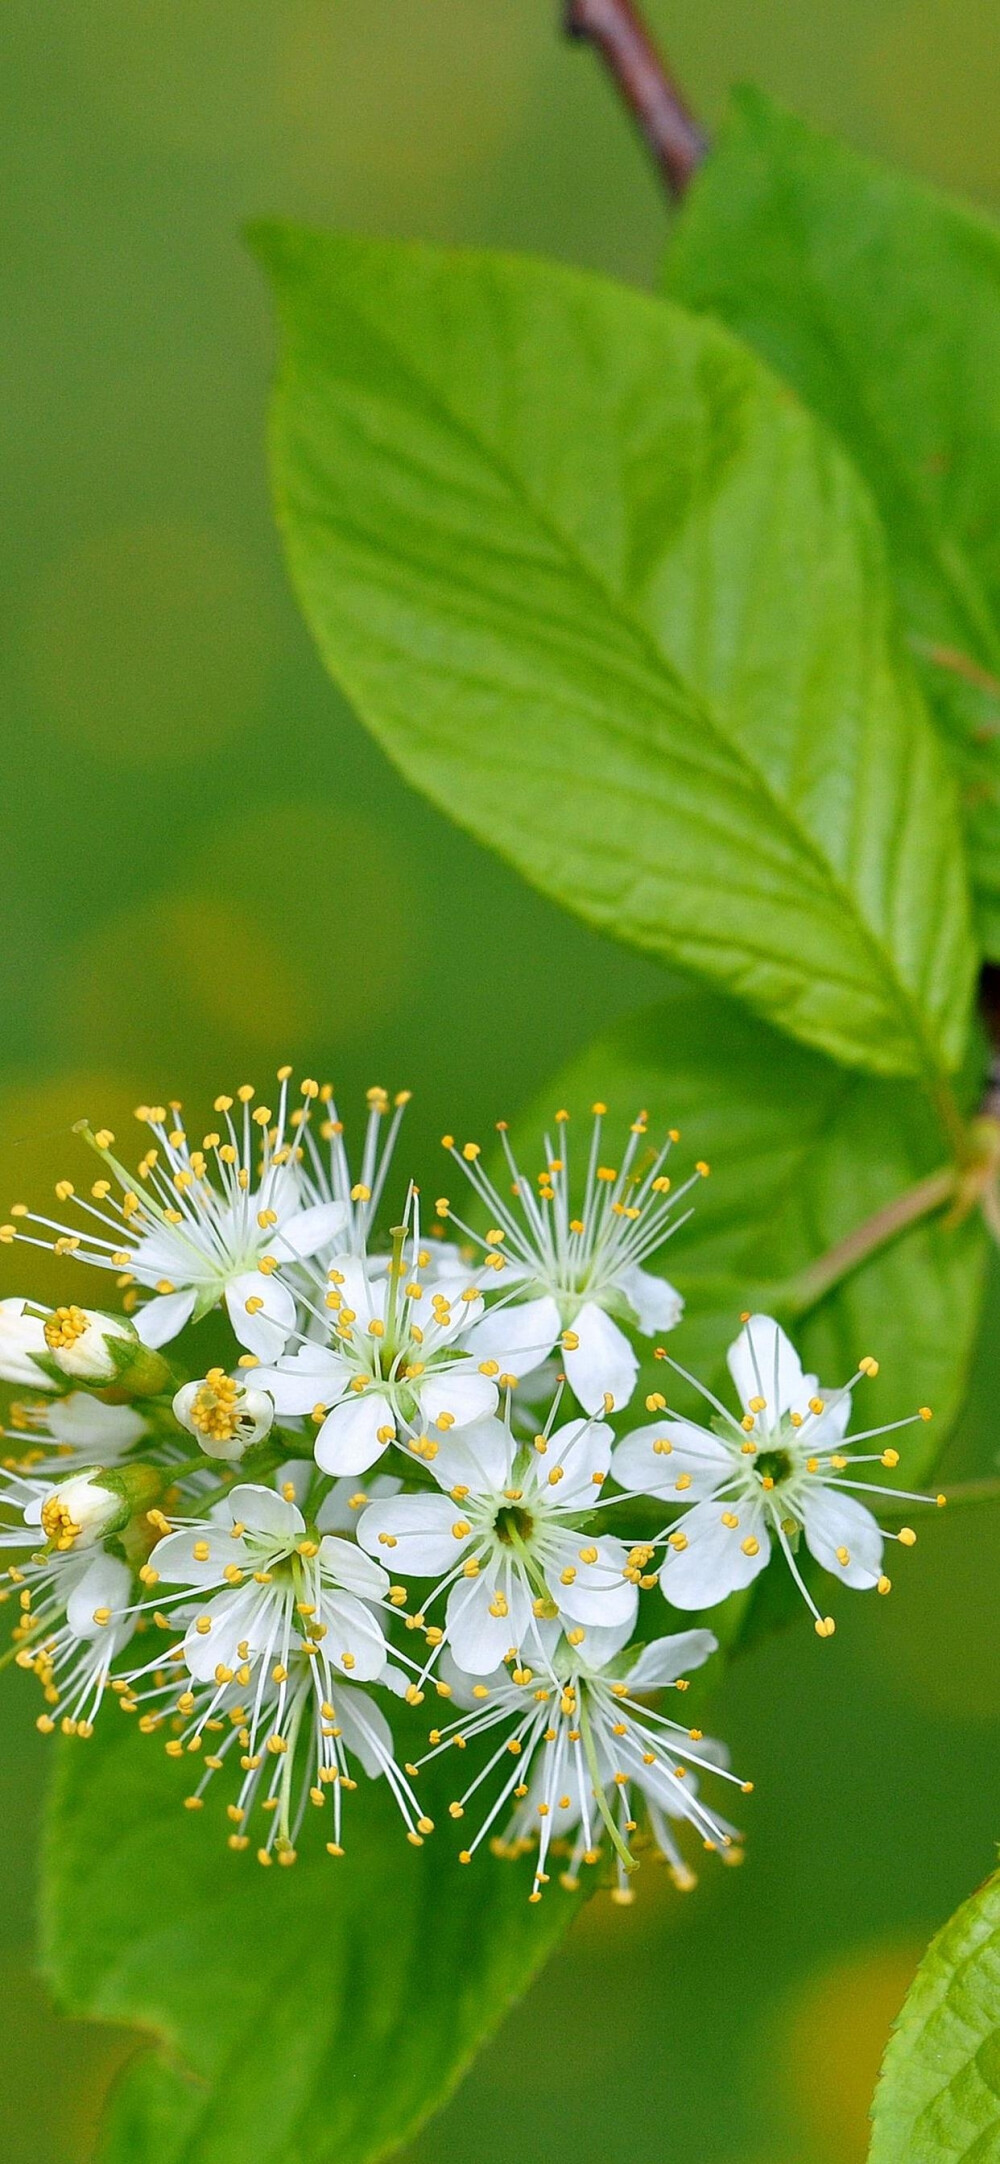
297 1744
268 1586
22 1341
277 1619
579 1262
401 1359
511 1542
572 1746
197 1226
82 1427
58 1435
327 1179
224 1414
78 1512
75 1608
89 1346
775 1473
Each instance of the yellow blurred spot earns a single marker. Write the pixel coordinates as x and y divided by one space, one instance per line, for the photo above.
148 644
374 102
833 2032
929 79
247 949
38 1147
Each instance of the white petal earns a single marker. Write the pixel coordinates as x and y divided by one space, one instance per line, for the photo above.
519 1337
309 1230
265 1331
351 1437
82 1420
420 1530
764 1364
715 1561
448 1336
237 1618
264 1512
338 1512
599 1644
603 1363
175 1560
352 1629
459 1391
342 1563
463 1686
828 1429
312 1376
667 1658
360 1290
477 1456
365 1730
162 1318
696 1458
599 1592
106 1583
833 1522
656 1304
579 1450
478 1639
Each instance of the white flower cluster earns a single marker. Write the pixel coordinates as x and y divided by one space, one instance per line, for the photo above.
275 1564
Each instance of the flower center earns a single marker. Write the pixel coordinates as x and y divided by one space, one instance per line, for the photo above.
215 1411
774 1465
57 1524
64 1326
513 1525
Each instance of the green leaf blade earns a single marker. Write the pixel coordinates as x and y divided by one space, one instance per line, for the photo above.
607 596
938 2096
878 298
306 2016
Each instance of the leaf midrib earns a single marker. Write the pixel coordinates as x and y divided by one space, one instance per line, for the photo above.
517 488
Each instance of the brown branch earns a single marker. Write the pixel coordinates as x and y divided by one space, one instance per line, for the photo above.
876 1232
644 81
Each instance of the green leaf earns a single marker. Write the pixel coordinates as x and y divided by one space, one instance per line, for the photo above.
614 600
800 1153
879 300
307 2016
938 2096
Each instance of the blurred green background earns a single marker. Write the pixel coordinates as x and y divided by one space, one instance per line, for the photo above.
209 868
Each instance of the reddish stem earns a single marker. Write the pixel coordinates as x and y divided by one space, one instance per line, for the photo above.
645 83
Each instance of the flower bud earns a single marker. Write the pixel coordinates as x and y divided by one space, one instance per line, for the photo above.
88 1507
224 1416
103 1350
79 1512
22 1338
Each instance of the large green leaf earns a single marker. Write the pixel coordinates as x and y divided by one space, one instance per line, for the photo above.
879 299
938 2097
309 2016
800 1153
614 600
